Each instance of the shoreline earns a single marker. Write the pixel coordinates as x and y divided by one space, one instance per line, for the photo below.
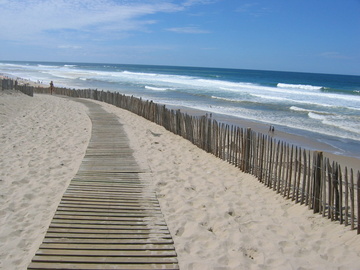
304 142
304 139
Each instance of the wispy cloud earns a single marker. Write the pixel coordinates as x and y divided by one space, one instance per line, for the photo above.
197 2
188 30
24 20
253 9
72 47
333 55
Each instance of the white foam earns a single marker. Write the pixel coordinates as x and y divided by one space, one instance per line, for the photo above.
277 98
298 109
47 66
347 125
226 99
299 86
295 105
157 88
316 116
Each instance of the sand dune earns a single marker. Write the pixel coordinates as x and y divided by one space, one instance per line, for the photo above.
42 142
219 217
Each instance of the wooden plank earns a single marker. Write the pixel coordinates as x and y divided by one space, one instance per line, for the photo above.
107 235
130 223
103 243
65 209
108 253
108 209
107 231
133 195
104 196
102 207
39 265
99 202
103 259
108 218
109 214
118 198
103 184
108 226
110 190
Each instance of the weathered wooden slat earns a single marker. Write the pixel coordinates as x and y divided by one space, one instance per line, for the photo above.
101 231
108 244
112 214
98 235
102 259
108 209
118 206
125 222
129 183
108 226
39 265
104 203
106 194
103 184
110 253
109 218
109 180
88 202
100 195
105 189
79 196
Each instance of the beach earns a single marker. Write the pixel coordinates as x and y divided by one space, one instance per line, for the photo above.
315 111
42 142
219 217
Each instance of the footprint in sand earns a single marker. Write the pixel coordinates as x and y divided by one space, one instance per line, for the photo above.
180 231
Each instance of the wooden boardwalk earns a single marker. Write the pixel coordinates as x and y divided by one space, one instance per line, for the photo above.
107 218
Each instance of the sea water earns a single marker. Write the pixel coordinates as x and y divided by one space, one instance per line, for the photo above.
323 107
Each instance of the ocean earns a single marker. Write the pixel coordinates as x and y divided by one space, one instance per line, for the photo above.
321 107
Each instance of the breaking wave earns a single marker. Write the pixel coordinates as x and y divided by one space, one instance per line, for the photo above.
299 86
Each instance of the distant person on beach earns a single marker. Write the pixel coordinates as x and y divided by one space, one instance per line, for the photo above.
272 129
51 87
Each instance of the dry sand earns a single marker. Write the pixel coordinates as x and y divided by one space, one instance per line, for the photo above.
42 142
219 217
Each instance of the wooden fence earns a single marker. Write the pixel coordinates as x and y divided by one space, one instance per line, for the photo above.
300 175
9 84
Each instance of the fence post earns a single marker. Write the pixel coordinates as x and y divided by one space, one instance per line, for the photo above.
352 198
358 202
318 160
247 150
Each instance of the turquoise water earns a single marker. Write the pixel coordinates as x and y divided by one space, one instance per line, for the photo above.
324 107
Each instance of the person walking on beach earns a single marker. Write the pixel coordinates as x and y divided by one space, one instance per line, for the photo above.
51 87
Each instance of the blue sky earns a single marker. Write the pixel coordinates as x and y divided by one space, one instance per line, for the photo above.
291 35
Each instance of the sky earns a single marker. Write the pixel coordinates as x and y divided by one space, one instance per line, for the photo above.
321 36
